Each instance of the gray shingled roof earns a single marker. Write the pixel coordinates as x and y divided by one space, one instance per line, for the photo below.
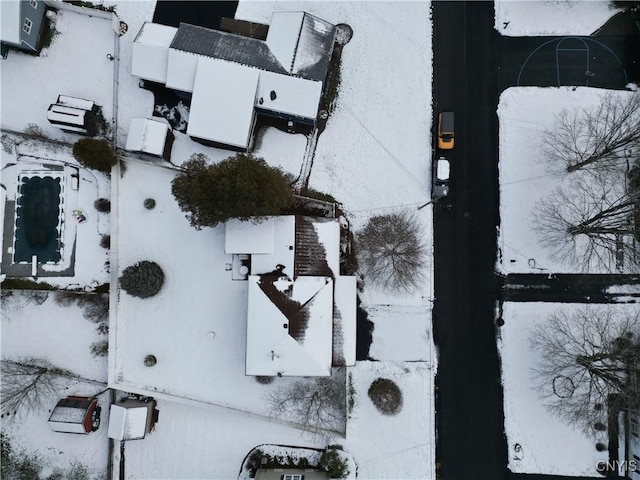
315 42
226 46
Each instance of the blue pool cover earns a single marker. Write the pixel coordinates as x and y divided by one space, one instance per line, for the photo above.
37 217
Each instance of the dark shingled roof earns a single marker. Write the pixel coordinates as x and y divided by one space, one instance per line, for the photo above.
226 46
316 38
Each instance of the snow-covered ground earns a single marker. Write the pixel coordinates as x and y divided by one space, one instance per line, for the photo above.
61 336
528 18
75 64
525 177
394 446
538 441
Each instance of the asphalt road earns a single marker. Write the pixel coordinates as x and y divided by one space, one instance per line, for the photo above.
472 65
471 442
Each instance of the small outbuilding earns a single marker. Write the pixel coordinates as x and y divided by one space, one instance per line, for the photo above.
131 419
150 138
75 415
75 115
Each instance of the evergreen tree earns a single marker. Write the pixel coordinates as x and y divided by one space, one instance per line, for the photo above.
95 154
143 279
239 187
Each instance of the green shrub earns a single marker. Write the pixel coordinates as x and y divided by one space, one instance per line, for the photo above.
332 462
386 396
95 154
239 187
102 205
143 280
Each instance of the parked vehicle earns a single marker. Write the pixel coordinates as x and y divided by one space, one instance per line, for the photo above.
446 132
76 415
440 178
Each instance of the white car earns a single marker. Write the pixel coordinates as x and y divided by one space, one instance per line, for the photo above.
440 187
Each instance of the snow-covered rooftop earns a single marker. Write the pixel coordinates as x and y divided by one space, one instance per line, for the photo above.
150 52
127 423
291 95
10 21
289 326
222 103
147 135
250 237
181 70
282 38
302 43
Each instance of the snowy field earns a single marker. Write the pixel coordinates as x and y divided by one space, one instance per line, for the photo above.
525 177
530 18
32 330
75 64
546 445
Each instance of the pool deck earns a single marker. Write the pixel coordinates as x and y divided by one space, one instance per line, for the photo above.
15 270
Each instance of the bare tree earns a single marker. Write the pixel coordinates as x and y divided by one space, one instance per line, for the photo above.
589 223
391 252
587 357
320 405
603 137
28 383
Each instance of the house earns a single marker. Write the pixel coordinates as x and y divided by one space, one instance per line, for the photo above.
131 419
232 78
291 474
301 313
150 138
22 23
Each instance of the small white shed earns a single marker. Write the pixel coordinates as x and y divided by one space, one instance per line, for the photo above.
131 419
150 137
75 415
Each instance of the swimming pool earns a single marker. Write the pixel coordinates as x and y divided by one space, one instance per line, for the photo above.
39 217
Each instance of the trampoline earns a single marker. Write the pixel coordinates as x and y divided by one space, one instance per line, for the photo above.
38 218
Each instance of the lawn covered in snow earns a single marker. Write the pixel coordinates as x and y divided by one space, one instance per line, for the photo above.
538 441
529 18
75 64
61 336
524 114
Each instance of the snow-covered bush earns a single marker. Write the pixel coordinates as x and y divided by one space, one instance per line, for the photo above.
386 396
143 279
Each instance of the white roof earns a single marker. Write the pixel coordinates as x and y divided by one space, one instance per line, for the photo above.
222 102
294 96
68 415
147 135
127 423
249 237
271 350
181 70
74 116
10 21
345 302
74 102
329 236
442 171
150 52
284 237
282 38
